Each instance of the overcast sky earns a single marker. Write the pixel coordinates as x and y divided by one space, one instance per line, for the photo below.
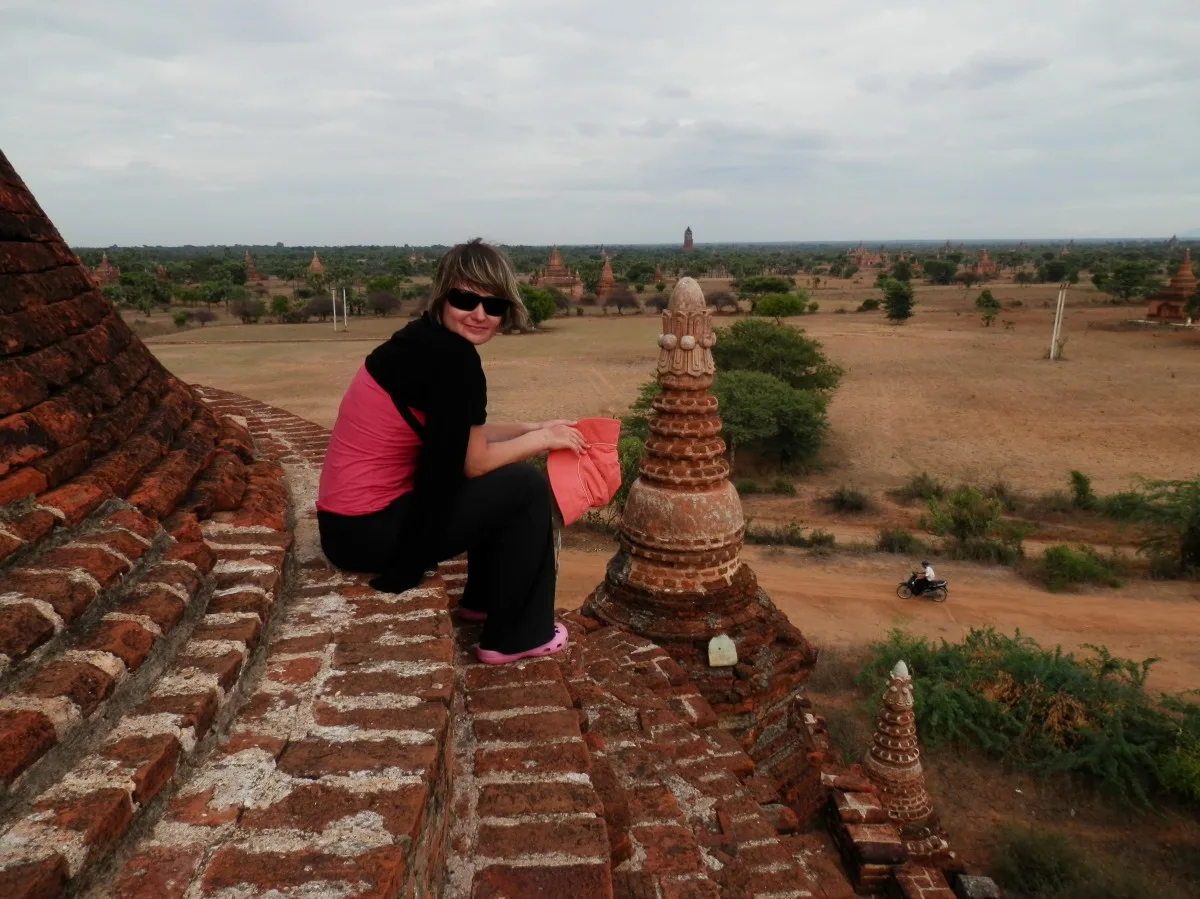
539 121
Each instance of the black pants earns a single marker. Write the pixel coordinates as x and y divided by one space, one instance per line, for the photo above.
502 521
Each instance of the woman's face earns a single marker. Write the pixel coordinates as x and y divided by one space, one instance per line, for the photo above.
476 326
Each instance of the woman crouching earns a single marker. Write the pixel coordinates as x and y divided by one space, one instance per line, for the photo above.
415 475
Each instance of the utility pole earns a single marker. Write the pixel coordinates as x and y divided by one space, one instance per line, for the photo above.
1056 332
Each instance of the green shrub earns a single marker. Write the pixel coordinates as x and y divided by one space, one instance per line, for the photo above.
790 534
900 541
745 487
820 537
1055 501
1124 505
868 305
1062 567
975 527
780 351
840 310
920 486
847 499
181 318
783 486
1003 492
1046 711
762 412
813 307
1082 496
779 305
1039 863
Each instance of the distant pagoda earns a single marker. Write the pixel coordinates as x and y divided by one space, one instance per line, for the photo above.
1170 303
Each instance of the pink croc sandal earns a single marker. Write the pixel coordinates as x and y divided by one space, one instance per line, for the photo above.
556 643
470 614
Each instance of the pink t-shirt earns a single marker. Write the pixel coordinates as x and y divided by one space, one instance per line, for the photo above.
372 454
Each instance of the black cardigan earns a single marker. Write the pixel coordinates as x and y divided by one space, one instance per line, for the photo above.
425 367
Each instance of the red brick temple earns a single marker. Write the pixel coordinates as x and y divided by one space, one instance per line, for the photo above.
607 282
316 267
1170 303
559 277
688 245
984 267
106 274
252 274
864 258
195 705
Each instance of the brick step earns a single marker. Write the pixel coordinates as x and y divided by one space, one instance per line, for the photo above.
528 820
334 774
72 825
697 817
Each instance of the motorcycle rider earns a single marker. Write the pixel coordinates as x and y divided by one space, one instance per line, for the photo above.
925 580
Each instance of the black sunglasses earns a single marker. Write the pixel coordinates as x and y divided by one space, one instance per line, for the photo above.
467 301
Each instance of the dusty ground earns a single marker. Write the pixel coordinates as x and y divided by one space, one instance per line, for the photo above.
843 601
939 394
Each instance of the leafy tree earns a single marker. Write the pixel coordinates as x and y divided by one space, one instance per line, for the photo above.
660 286
658 302
968 277
1025 278
280 305
204 316
722 300
383 302
383 284
1052 271
760 284
940 271
249 309
988 306
783 352
320 307
898 300
213 292
539 302
1172 508
760 410
902 271
779 305
621 298
1129 279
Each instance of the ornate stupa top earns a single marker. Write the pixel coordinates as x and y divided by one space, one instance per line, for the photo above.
686 342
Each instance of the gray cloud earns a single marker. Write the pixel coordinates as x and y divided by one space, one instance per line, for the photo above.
136 121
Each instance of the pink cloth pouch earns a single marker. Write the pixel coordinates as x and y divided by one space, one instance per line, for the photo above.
587 480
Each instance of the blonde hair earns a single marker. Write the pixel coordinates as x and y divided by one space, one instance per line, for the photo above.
485 268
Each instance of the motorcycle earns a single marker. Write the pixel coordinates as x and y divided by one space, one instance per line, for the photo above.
936 590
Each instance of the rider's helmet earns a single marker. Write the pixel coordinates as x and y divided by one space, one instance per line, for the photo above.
924 564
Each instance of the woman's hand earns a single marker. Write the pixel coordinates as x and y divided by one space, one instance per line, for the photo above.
562 436
543 425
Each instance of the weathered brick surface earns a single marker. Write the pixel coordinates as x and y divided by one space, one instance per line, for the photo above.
87 417
528 818
373 755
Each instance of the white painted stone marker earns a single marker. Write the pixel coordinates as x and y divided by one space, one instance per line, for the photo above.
721 652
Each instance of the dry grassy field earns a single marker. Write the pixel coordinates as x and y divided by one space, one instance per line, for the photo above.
939 394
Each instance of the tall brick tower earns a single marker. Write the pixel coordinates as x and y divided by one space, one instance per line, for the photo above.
688 246
678 578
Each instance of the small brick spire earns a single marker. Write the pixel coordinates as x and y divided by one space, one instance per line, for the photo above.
893 764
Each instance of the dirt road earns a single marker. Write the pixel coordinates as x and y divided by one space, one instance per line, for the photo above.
844 601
